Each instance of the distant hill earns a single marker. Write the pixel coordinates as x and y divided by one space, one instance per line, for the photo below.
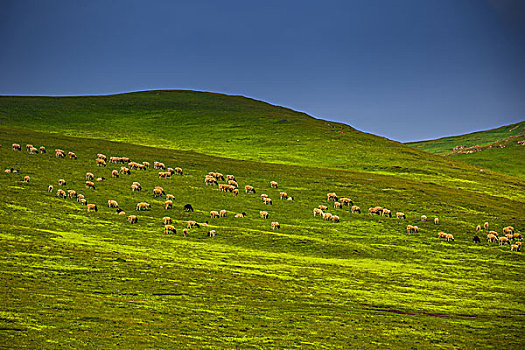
499 149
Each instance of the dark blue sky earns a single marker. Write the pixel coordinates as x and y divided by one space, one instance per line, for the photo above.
404 69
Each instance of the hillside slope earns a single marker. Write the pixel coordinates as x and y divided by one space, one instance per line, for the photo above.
499 149
238 128
74 279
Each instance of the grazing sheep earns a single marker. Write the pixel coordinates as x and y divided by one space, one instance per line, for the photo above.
442 235
356 209
450 237
33 150
188 207
273 184
61 193
178 171
169 229
101 156
515 248
168 204
249 188
171 171
516 235
503 240
235 192
80 197
290 198
337 205
50 188
375 210
476 239
230 177
61 182
222 213
492 238
100 179
122 213
486 226
27 178
275 225
146 165
158 165
322 207
509 236
327 216
137 184
233 183
71 194
478 228
264 195
142 206
210 180
60 153
263 214
114 174
185 232
72 155
400 215
90 176
135 188
318 211
436 221
283 195
90 184
331 197
223 187
211 233
335 218
192 224
409 228
42 149
214 214
112 203
101 162
386 212
124 170
157 192
267 201
92 207
170 197
16 147
423 218
167 220
240 215
29 146
132 219
346 201
494 233
508 229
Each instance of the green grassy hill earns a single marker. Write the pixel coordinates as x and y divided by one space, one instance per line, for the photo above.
91 280
507 160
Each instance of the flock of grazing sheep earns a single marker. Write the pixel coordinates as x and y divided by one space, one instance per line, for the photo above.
231 185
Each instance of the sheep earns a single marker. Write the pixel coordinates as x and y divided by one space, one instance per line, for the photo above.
27 178
132 219
327 216
290 198
168 204
158 165
101 162
214 214
267 201
211 233
100 179
223 188
263 214
124 170
71 194
188 207
90 184
331 197
400 215
318 211
167 220
235 192
218 176
233 183
16 147
264 195
136 184
356 209
122 213
375 210
240 215
275 225
135 188
222 213
249 188
492 238
114 174
476 239
170 197
42 149
494 233
92 207
210 180
29 146
386 212
423 218
409 228
185 232
503 240
83 202
80 197
486 226
169 229
230 177
101 156
436 221
442 235
50 188
142 206
516 235
335 218
337 205
60 153
450 237
171 171
90 176
33 150
146 165
508 229
61 193
72 155
322 207
192 224
273 184
478 228
158 191
61 182
112 203
346 201
515 247
509 236
178 171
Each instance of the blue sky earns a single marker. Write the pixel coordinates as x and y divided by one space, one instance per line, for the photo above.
404 69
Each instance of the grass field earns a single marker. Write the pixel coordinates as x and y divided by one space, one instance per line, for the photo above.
71 279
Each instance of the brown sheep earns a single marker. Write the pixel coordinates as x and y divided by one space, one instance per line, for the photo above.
167 220
168 204
283 195
170 197
410 228
90 184
29 146
331 197
375 210
436 221
101 162
114 174
157 192
400 215
27 178
100 179
478 228
223 187
450 237
337 205
101 156
508 229
442 235
356 209
16 147
83 201
210 180
142 206
492 238
61 193
264 195
290 198
72 155
230 177
335 218
346 201
386 212
214 214
137 184
132 219
192 224
322 207
42 149
185 232
240 215
423 218
71 194
59 153
169 229
516 235
515 248
503 240
494 233
318 211
486 226
233 183
273 184
327 216
122 213
171 171
263 214
90 176
61 182
158 165
267 201
50 188
80 197
211 233
275 225
112 203
235 192
146 165
178 171
135 188
509 236
92 207
33 150
124 170
222 213
249 188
